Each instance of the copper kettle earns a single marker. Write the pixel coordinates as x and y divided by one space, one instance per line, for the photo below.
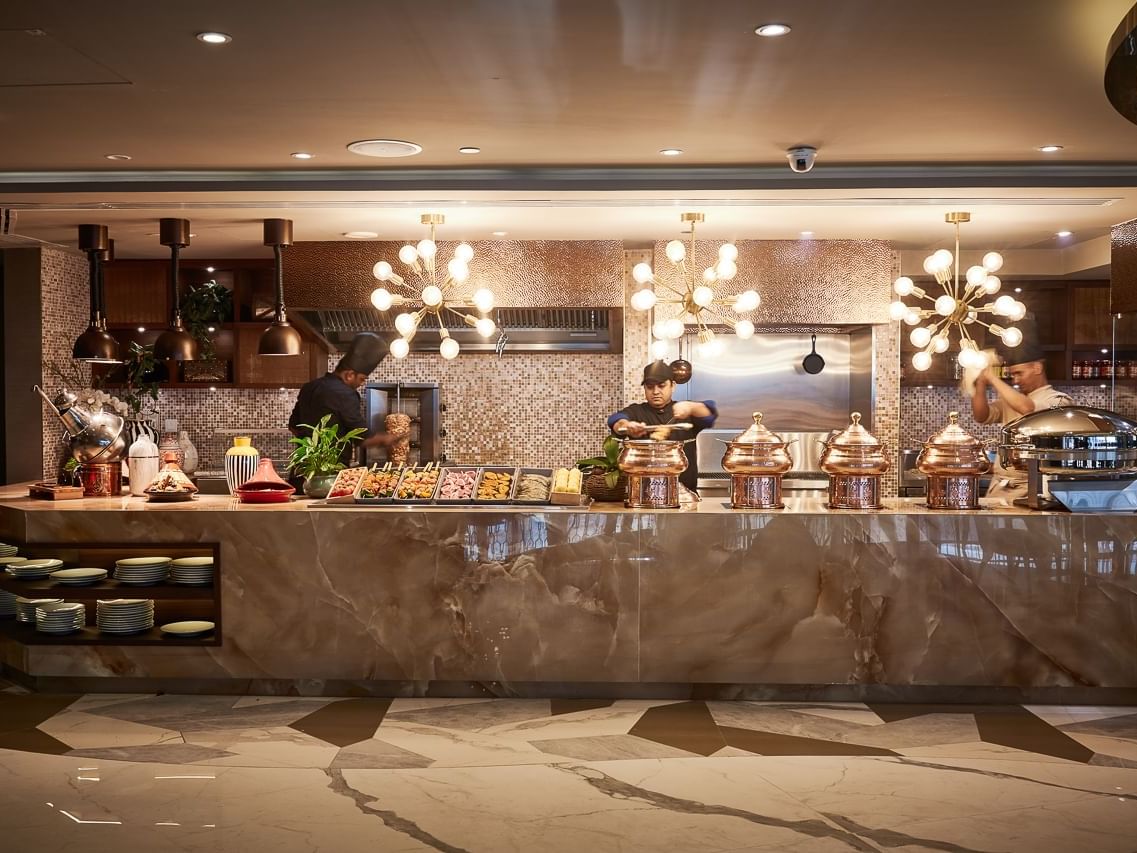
95 436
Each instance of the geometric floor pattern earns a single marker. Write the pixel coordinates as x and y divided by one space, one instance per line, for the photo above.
219 773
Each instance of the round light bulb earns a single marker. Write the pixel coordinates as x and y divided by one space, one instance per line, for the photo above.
448 349
744 329
912 318
660 349
903 286
1004 305
1017 313
643 300
675 328
485 326
400 348
922 361
710 275
979 359
992 284
483 299
976 275
945 305
748 300
920 337
642 273
726 269
426 249
930 265
458 270
431 296
464 252
381 298
728 252
659 330
897 310
703 296
964 357
406 324
940 343
408 255
676 251
1012 337
382 271
943 258
992 261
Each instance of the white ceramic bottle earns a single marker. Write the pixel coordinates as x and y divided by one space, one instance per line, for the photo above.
143 464
190 452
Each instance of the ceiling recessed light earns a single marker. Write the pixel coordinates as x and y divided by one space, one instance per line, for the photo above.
500 233
142 328
215 38
670 152
360 235
1064 233
469 149
384 148
117 156
301 155
772 31
1018 290
209 269
806 235
1049 149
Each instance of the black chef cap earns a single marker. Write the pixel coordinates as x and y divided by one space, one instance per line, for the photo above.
657 371
364 354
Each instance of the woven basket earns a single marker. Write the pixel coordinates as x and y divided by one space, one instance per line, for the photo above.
596 487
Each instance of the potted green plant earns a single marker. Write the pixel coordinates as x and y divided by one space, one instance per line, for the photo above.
604 481
203 309
317 455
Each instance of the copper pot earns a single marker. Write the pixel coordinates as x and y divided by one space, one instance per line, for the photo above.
854 451
757 451
953 452
645 456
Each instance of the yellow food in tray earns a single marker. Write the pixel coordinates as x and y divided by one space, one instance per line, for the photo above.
495 486
567 481
418 485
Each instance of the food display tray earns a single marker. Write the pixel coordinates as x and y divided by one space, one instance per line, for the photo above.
343 499
497 469
544 472
409 501
359 499
449 502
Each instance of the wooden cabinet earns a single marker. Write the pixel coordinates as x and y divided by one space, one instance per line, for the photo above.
135 292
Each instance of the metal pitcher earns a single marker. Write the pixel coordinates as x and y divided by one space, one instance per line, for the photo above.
95 436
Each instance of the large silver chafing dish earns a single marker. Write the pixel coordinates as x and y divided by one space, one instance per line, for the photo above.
1087 456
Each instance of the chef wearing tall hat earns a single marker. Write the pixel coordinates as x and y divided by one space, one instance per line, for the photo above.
1028 391
637 419
337 394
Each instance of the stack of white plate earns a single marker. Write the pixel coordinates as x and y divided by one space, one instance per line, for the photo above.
7 604
125 615
26 608
78 577
33 569
7 550
141 571
62 618
7 561
192 571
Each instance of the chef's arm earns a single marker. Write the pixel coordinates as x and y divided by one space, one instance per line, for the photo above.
621 424
380 439
702 413
980 408
1017 400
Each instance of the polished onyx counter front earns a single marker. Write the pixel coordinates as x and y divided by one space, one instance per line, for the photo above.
511 597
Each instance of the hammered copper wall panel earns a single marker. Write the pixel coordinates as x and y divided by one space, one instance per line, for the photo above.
804 281
536 273
1123 267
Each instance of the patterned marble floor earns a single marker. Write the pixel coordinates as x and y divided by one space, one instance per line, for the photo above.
282 774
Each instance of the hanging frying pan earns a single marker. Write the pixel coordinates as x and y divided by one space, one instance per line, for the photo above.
813 363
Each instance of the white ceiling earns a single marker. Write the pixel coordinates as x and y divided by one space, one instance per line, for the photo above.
586 85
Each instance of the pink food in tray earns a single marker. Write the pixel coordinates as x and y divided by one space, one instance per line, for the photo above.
458 485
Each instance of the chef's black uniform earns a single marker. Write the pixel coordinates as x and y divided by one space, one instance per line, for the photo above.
328 395
645 414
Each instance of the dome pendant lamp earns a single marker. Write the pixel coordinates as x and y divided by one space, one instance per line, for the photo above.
281 338
96 345
175 343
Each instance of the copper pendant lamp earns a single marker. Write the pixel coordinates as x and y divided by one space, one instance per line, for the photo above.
175 343
281 338
96 345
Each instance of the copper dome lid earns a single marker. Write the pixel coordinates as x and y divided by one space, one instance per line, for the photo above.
758 433
854 435
954 436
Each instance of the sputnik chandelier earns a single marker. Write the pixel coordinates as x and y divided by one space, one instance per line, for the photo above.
958 307
693 295
436 292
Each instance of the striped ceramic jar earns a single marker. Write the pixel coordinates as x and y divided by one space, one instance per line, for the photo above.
241 462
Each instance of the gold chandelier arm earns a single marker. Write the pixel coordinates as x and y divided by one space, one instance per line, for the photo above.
468 319
682 295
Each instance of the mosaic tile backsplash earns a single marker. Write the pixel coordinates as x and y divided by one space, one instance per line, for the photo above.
64 314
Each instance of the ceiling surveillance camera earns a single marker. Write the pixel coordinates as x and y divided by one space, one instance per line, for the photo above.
802 158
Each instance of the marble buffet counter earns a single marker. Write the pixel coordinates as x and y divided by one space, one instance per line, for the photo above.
606 601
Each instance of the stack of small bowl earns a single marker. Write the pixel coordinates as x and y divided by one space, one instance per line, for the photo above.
30 570
124 615
142 571
7 550
26 608
192 571
61 618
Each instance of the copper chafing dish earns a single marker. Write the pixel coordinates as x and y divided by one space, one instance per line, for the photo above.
756 460
653 467
854 461
953 459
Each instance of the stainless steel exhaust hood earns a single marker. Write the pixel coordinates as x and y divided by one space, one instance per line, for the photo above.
523 329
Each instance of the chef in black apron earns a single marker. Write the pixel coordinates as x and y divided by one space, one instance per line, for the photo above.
337 394
637 419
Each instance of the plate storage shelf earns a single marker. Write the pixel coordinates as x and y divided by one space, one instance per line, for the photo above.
172 602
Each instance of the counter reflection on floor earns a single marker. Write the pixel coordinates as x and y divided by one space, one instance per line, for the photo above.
188 773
